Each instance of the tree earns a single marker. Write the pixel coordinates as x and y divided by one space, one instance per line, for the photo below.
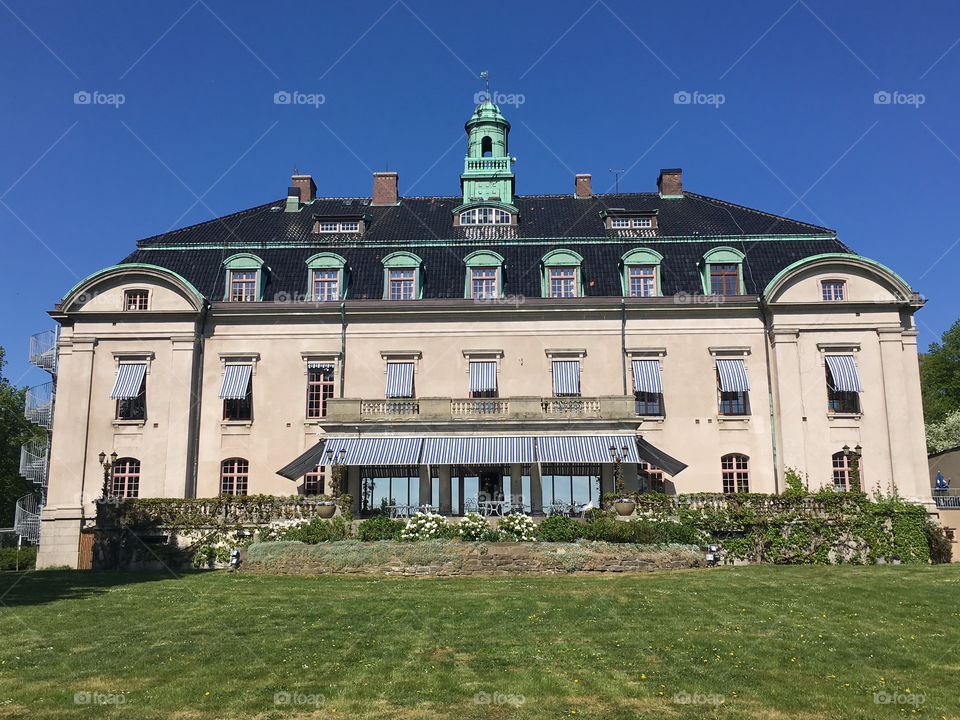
940 377
15 430
945 434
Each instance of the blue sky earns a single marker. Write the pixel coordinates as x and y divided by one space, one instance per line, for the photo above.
198 134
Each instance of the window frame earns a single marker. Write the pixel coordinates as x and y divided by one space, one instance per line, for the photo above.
836 282
640 257
240 469
403 261
127 480
239 409
466 217
722 256
142 292
133 409
327 261
840 402
315 480
561 259
483 260
248 263
735 477
326 391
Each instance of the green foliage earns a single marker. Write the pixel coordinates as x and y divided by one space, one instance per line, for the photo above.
940 377
9 561
796 484
945 434
473 527
559 528
517 528
940 547
317 530
380 528
423 526
641 532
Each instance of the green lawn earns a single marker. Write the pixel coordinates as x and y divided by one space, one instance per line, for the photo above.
770 642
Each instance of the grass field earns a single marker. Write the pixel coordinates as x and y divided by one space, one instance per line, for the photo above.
752 642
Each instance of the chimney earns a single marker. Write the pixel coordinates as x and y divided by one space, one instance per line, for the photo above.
308 190
293 199
385 189
581 183
670 183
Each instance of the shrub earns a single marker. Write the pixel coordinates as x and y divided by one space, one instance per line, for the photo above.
642 532
317 531
518 527
380 528
560 528
423 526
473 527
8 558
939 543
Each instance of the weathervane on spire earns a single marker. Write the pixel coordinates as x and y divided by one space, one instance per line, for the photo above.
486 77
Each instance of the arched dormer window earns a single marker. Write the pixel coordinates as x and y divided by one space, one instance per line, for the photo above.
722 272
485 216
326 277
640 276
402 276
562 276
244 278
484 276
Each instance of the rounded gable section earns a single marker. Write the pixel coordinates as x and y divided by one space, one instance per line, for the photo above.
860 280
113 289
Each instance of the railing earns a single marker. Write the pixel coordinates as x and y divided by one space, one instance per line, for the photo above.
571 407
43 350
487 164
33 461
38 407
946 499
26 520
473 407
389 408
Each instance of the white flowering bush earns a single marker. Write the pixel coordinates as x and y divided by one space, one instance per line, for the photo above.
518 527
473 527
423 526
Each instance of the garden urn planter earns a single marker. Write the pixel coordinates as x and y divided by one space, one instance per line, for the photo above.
624 506
326 510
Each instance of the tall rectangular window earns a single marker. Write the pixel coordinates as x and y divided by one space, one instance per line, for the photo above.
733 387
834 290
134 408
136 299
735 470
402 283
843 384
313 481
243 285
725 279
130 391
319 389
234 476
126 478
483 283
237 392
563 282
326 285
643 281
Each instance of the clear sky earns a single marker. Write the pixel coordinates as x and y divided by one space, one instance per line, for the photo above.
800 130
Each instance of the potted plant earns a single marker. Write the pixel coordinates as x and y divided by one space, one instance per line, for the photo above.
622 503
326 508
624 506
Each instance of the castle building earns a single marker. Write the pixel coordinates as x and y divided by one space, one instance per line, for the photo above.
486 351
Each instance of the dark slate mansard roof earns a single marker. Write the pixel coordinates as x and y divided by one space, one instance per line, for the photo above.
423 225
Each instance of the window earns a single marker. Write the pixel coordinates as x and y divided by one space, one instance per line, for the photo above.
126 478
483 283
319 389
725 279
234 476
237 392
332 226
563 485
566 378
650 477
647 387
402 283
736 473
733 387
648 403
563 282
313 481
842 471
326 285
833 290
130 391
484 278
643 280
134 408
402 277
382 487
722 274
244 278
626 222
843 385
618 222
136 299
562 276
483 380
399 380
485 216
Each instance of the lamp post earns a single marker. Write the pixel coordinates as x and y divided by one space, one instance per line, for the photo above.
107 489
618 455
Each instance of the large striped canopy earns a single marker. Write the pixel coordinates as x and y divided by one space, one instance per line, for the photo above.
586 448
843 370
129 381
399 380
478 450
646 376
236 382
733 376
483 376
372 451
566 377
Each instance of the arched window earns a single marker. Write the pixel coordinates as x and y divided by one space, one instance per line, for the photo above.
735 470
484 277
486 146
485 216
641 273
723 272
326 277
402 276
847 470
244 278
562 277
234 476
313 481
126 478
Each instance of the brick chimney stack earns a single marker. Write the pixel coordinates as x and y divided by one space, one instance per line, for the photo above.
308 190
670 183
385 188
582 187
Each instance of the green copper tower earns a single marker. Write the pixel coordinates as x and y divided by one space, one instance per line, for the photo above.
487 177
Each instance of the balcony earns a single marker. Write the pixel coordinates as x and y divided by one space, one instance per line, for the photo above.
613 407
947 499
38 407
484 165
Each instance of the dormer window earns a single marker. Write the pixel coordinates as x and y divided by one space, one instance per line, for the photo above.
336 225
618 219
626 222
326 277
244 278
485 216
723 272
402 276
561 274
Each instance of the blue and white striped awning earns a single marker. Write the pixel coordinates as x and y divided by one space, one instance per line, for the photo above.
129 381
372 451
483 376
733 376
646 376
566 377
399 380
843 370
236 382
478 450
586 448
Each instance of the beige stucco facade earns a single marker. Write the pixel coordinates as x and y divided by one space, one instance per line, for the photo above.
782 336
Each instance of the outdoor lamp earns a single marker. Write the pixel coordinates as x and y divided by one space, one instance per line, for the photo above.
102 456
613 452
113 457
329 456
857 449
343 454
626 451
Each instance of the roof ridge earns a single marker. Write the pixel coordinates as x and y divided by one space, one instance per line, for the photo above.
221 218
717 201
